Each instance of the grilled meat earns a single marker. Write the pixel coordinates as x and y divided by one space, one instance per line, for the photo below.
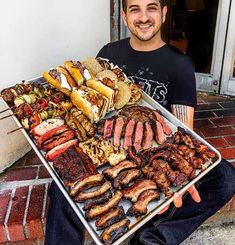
113 172
119 124
115 231
148 136
84 195
167 130
138 136
104 208
132 193
128 134
140 207
80 185
110 218
97 200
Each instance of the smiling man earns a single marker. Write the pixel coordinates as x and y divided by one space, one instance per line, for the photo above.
167 75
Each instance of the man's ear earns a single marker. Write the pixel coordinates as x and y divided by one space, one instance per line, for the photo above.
124 17
164 12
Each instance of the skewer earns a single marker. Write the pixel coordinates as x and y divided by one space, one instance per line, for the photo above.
14 130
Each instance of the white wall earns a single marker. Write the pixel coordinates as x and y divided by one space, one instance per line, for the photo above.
36 35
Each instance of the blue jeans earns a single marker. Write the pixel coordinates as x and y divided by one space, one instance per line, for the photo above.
172 227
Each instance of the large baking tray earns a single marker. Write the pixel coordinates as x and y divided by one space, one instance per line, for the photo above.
155 206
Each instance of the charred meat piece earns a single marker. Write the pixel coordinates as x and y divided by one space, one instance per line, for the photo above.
148 136
125 177
132 193
110 218
97 200
112 233
132 155
161 120
104 208
138 137
84 195
128 134
119 124
108 128
137 113
113 172
82 184
177 161
100 127
140 207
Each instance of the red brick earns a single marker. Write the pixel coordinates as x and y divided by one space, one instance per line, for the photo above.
46 209
43 173
217 142
211 132
224 121
16 232
231 140
28 242
3 237
33 219
17 174
204 123
4 200
15 220
32 159
228 153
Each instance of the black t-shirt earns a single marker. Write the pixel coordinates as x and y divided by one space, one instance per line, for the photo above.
166 74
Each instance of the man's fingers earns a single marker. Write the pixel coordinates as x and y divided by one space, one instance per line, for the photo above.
177 200
194 194
163 210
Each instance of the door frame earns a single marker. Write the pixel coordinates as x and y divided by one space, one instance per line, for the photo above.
227 80
211 82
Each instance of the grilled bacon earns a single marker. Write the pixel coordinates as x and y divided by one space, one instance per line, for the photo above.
83 196
140 207
115 231
104 208
82 184
110 218
113 172
132 193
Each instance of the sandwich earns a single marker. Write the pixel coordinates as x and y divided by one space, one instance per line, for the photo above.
104 90
92 103
77 71
92 65
60 78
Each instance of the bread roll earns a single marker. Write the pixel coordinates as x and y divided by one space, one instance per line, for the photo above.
76 71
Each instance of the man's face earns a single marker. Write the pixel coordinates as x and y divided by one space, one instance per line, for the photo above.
144 18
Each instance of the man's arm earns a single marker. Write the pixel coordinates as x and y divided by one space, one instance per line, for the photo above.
184 113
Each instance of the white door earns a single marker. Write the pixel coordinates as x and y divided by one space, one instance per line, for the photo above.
228 71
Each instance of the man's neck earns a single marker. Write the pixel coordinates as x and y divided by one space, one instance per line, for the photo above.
150 45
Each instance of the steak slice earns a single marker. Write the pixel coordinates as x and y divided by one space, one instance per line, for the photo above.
148 136
118 131
139 132
159 133
108 128
166 129
128 134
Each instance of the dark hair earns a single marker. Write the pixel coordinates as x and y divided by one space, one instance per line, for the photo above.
124 5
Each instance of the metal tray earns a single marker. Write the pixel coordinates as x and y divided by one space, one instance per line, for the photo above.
155 206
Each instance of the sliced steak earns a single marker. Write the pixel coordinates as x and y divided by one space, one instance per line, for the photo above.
139 132
160 119
148 136
108 128
128 134
100 126
159 133
118 131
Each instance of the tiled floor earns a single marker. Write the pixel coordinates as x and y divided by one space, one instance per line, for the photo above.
24 187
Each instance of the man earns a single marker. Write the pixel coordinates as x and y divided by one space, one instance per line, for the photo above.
167 75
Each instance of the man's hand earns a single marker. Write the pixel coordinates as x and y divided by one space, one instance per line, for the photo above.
177 199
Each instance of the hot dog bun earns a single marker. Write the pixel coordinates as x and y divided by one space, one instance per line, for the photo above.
60 79
93 104
76 70
92 65
123 95
104 90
